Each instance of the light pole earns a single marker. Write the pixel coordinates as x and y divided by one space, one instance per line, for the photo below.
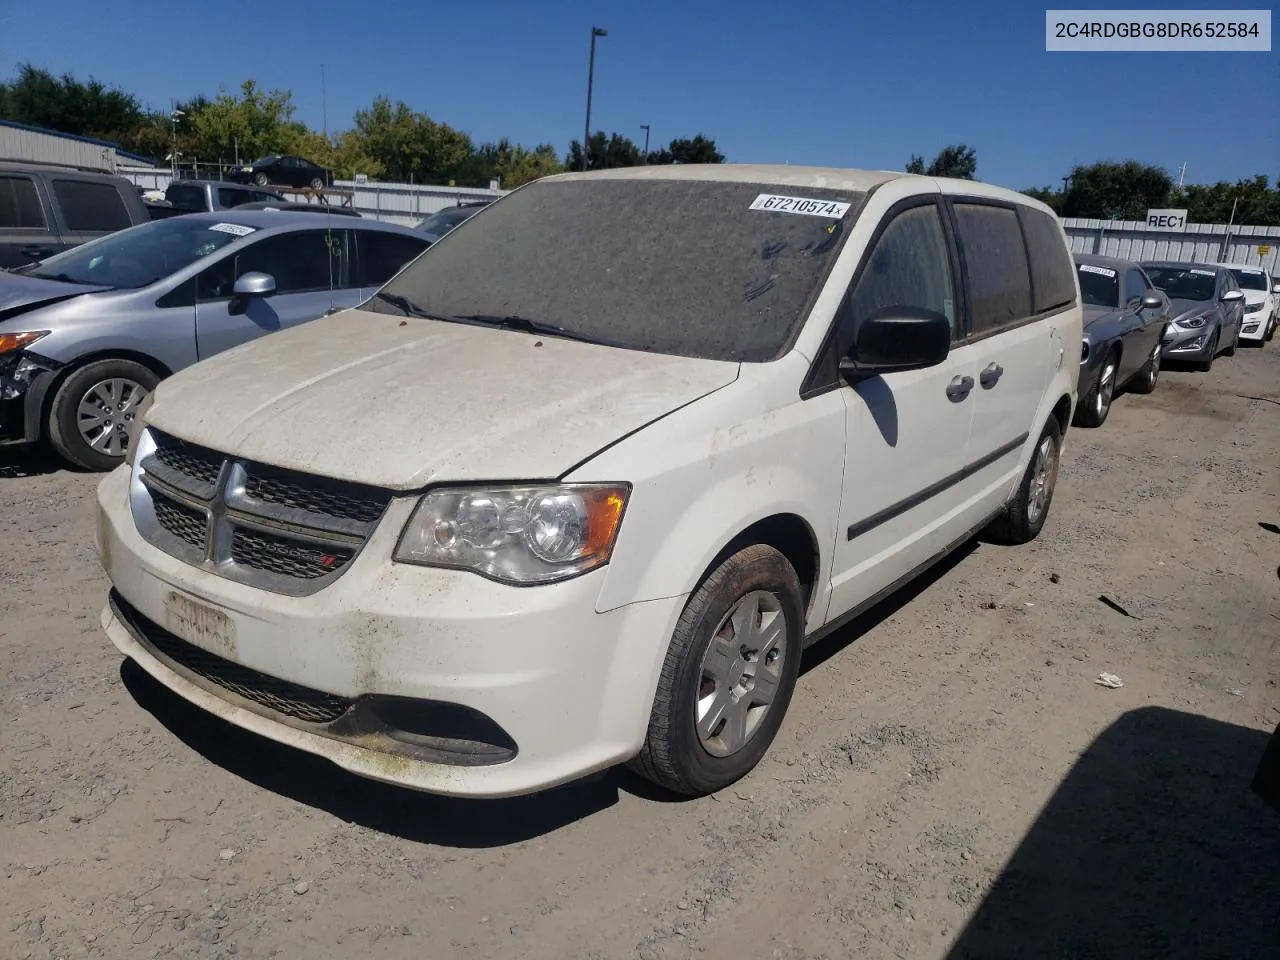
645 128
591 76
173 129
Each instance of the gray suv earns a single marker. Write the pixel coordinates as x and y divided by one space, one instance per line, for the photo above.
46 208
86 335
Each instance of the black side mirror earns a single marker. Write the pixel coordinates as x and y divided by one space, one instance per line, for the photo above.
1152 302
897 338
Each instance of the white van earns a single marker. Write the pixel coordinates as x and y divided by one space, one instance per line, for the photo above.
580 483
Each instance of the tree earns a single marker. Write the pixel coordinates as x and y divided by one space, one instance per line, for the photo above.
956 161
511 164
1047 195
698 150
916 164
411 146
64 103
604 153
1255 203
254 124
1115 191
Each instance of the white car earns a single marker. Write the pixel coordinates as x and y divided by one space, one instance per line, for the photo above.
1261 302
578 485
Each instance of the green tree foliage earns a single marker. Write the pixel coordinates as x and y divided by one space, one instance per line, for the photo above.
698 150
615 150
1116 191
1047 195
87 109
1255 202
957 161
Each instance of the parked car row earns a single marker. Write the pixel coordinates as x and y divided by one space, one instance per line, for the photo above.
1137 315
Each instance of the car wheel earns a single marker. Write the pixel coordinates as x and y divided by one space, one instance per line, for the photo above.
1235 342
317 183
1024 515
261 179
1271 330
1093 410
1204 366
1149 375
728 676
92 410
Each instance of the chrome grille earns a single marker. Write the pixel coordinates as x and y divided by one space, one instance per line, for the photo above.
277 529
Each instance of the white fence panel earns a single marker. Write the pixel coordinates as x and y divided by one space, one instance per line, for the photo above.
1198 242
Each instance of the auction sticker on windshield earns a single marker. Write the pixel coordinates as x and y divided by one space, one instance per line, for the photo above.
814 208
239 229
1101 271
1202 273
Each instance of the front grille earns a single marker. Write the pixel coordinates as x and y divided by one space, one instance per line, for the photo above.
291 699
277 529
180 520
285 555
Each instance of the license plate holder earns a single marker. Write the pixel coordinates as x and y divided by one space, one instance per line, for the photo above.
200 624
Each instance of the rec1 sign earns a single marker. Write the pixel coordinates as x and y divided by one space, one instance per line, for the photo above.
1166 219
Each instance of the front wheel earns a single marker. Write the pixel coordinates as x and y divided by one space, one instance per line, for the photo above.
1235 342
728 676
1149 375
1204 366
260 179
1024 516
93 409
317 184
1093 410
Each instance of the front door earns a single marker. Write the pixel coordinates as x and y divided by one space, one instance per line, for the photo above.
313 278
908 432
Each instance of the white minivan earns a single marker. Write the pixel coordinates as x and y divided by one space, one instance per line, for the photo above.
579 484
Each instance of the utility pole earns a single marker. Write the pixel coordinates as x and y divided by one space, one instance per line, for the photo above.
324 103
591 76
645 128
1182 175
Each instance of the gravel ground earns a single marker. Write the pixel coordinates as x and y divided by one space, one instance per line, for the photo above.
950 780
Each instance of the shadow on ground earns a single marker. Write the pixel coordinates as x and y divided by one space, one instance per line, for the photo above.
18 462
1154 846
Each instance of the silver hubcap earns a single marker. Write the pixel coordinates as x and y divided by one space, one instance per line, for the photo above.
1106 386
105 413
1043 477
741 673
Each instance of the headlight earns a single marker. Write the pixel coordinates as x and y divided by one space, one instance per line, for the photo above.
1192 322
516 534
17 341
136 426
1253 307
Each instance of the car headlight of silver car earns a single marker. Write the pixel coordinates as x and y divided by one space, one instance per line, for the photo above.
516 534
1193 322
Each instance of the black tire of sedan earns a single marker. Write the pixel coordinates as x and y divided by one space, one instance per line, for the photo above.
728 676
1204 366
99 399
317 183
261 179
1024 516
1093 408
1231 350
1149 375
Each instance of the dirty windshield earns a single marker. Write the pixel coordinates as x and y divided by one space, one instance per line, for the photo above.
722 271
1181 283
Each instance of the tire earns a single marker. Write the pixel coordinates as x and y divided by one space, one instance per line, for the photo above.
72 427
317 184
1093 409
1149 375
1204 366
1024 516
1231 350
261 179
676 755
1271 330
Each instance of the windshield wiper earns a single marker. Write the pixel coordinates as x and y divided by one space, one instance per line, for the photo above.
403 304
517 322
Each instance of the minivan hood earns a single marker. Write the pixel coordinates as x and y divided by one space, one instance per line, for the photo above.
18 290
401 403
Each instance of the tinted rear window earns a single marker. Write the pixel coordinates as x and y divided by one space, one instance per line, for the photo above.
185 196
20 204
1052 284
91 206
995 264
1099 286
670 266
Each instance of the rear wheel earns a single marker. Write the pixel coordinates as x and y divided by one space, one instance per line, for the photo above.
317 183
1093 410
93 410
728 677
1149 375
1025 514
260 179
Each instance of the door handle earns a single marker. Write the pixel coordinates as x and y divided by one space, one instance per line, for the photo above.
959 388
990 376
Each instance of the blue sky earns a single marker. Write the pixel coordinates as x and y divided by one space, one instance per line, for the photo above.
809 82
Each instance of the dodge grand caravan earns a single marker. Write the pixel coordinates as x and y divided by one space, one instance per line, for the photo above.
577 486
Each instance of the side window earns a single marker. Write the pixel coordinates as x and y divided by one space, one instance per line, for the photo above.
185 196
233 198
383 255
20 204
1134 287
1052 281
995 265
91 206
909 266
301 262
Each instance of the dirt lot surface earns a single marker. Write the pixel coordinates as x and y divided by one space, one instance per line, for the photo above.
950 780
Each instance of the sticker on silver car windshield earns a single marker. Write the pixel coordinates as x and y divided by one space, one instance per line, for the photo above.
1202 273
238 229
831 209
1101 271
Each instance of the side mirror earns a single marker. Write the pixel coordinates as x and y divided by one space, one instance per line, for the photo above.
254 284
897 338
1232 296
1275 288
1152 302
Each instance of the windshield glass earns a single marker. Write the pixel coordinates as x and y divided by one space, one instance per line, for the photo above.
1251 279
140 256
444 221
1099 286
1184 283
682 267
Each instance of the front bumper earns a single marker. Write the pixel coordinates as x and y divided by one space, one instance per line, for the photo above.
571 688
1254 325
1192 345
25 380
